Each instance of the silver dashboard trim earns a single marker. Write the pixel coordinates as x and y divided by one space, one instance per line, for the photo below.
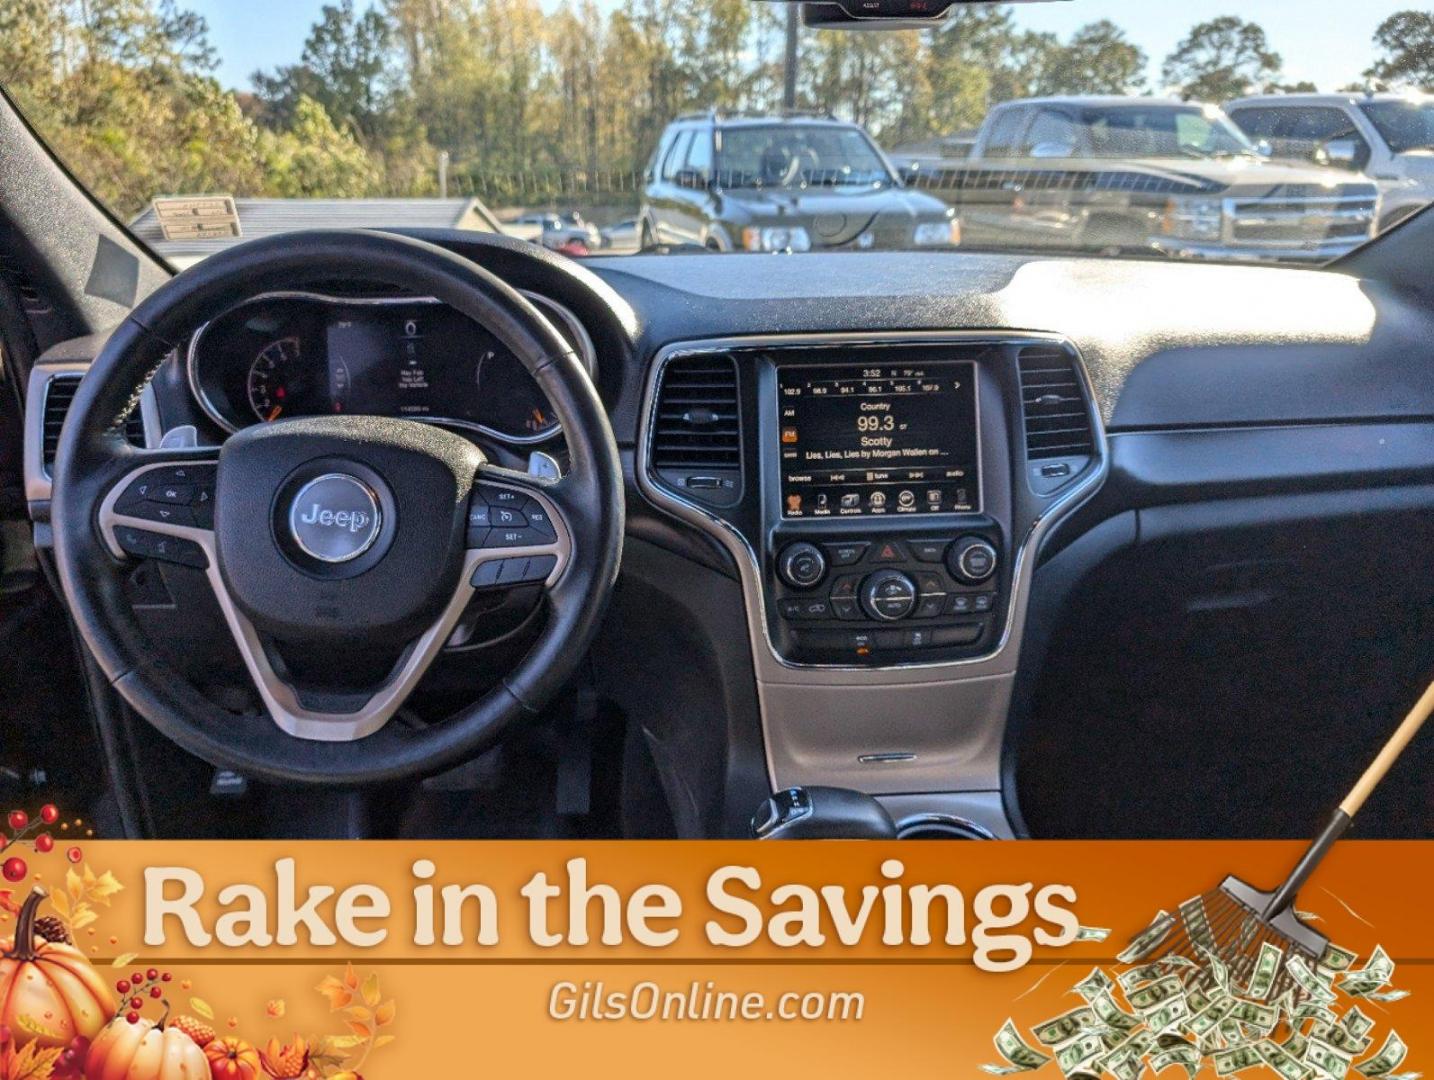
820 721
282 703
38 484
747 560
550 306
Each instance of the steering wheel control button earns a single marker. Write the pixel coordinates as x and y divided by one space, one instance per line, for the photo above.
932 551
515 538
148 545
335 517
971 560
478 517
846 554
540 566
519 570
888 595
503 517
802 566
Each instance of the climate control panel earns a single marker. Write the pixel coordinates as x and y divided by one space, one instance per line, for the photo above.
887 599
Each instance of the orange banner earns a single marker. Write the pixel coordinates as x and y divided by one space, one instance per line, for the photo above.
408 959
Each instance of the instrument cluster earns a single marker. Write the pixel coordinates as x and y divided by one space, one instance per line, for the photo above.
305 354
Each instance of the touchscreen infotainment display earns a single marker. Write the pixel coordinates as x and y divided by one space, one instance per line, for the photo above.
878 440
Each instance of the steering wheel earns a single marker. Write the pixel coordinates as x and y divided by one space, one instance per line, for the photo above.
337 536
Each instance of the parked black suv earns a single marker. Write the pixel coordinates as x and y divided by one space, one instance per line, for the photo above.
796 182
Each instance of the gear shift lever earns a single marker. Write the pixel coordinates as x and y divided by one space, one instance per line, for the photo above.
822 813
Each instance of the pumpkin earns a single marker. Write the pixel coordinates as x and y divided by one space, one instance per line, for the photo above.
49 994
145 1050
231 1058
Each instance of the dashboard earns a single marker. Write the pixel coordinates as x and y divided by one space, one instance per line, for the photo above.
283 355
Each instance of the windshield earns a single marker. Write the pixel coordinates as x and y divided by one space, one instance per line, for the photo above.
795 154
1404 125
600 128
1145 132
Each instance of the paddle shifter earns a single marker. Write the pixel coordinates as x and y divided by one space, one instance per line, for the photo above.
822 813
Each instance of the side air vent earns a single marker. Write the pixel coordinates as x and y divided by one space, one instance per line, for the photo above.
1059 438
696 434
59 394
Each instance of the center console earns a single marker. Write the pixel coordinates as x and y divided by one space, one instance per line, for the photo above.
881 553
884 499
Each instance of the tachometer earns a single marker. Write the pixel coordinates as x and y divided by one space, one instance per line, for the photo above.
276 378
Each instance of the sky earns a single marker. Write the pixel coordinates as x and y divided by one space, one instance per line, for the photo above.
1324 41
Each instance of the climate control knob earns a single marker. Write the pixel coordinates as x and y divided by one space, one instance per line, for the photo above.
971 560
888 595
802 566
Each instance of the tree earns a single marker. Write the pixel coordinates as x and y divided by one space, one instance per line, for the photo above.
1407 40
1222 59
1098 59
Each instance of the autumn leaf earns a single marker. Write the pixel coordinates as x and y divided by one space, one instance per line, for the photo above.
351 979
202 1007
34 1063
74 885
61 903
384 1014
338 994
84 915
383 1040
363 1031
276 1008
359 1013
103 888
342 1042
371 993
123 960
7 901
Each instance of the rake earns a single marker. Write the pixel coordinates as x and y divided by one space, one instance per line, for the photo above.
1234 921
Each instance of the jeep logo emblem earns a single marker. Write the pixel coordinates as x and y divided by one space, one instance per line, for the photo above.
335 518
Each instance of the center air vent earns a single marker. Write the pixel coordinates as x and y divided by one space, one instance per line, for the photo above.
59 395
697 429
1054 408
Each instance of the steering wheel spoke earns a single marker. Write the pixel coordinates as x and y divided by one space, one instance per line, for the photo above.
162 507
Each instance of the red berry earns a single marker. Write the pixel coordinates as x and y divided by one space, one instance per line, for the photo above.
165 977
14 869
152 974
19 819
44 843
136 1003
122 986
137 978
155 991
74 854
49 813
132 1017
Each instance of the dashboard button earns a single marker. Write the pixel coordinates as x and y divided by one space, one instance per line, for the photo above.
847 553
889 551
845 587
971 560
929 550
930 582
983 601
890 639
919 639
789 608
845 608
957 635
802 566
960 604
888 595
816 608
931 606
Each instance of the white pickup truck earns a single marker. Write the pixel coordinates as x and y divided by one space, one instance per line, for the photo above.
1388 137
1134 174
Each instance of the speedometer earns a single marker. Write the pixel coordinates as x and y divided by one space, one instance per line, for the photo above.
276 378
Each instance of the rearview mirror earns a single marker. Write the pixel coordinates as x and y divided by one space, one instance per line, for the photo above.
1341 153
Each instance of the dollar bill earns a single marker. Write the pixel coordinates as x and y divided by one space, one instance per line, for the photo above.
1208 1019
1261 1017
1197 999
1197 923
1281 1060
1376 973
1186 1056
1168 1015
1219 973
1308 981
1021 1057
1064 1028
1336 959
1386 995
1329 1060
1340 1038
1296 1043
1094 985
1079 1052
1267 966
1151 996
1149 939
1391 1055
1355 1022
1313 1010
1236 1059
1143 974
1092 933
1112 1015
